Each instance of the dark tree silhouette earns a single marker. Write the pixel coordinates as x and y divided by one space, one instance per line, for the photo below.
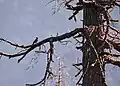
98 38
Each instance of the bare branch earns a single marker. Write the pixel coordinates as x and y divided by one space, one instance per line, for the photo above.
14 44
114 62
11 55
110 54
33 46
115 45
48 73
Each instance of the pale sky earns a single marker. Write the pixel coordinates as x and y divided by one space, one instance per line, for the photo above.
21 21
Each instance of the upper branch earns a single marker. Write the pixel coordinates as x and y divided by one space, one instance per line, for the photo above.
33 46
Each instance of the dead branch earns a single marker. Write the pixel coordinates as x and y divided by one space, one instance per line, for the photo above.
114 62
42 81
84 73
33 46
107 53
115 45
14 44
48 73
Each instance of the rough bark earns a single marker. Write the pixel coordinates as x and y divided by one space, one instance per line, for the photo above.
93 75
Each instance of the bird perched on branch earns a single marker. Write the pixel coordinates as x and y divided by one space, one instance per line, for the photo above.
36 40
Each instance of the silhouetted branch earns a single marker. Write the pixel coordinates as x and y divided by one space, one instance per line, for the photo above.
33 46
14 44
48 73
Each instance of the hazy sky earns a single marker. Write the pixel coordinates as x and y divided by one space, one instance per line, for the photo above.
21 21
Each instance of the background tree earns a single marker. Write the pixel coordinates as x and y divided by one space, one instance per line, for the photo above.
99 40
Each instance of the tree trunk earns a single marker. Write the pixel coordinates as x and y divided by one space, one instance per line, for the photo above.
93 75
